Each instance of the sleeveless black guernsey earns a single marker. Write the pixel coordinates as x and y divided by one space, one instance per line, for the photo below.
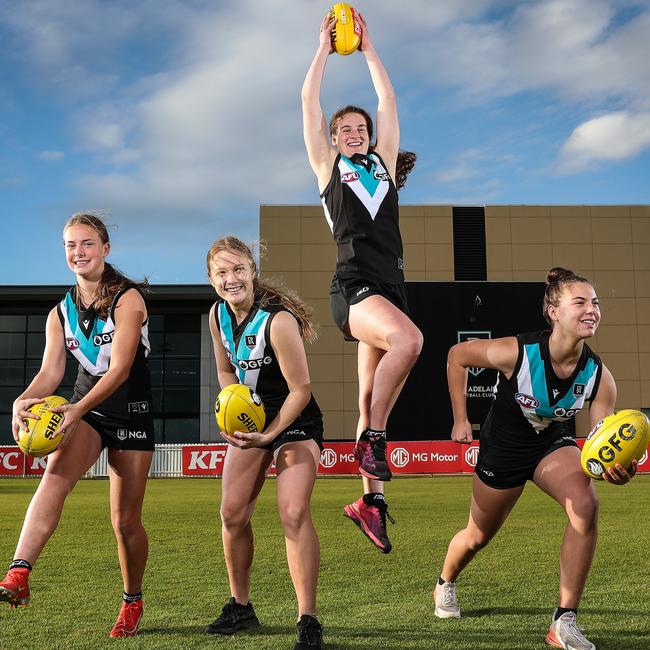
89 339
361 208
534 403
248 348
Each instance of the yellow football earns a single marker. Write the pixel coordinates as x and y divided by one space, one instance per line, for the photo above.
238 408
346 34
618 439
37 441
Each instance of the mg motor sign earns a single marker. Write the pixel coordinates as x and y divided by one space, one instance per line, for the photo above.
338 458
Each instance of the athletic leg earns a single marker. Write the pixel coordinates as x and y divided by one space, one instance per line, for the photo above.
128 471
297 466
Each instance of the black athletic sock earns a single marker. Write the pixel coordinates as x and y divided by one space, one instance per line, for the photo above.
20 564
563 610
441 581
373 498
131 598
374 434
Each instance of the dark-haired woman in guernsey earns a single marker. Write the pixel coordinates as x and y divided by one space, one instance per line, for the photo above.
103 322
544 379
358 178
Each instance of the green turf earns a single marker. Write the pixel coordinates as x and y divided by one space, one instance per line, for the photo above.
366 600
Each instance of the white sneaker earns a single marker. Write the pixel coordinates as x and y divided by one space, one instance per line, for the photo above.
446 601
565 633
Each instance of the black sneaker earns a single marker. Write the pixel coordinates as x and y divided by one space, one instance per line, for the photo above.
234 617
370 452
310 634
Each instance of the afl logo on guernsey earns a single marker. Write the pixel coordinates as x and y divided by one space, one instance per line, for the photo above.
527 401
71 343
349 177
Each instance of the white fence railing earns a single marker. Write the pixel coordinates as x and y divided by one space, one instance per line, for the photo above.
167 462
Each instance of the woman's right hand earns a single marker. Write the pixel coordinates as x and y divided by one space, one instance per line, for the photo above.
462 432
20 413
325 38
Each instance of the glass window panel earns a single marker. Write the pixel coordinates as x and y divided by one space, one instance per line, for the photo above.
183 344
12 345
183 323
157 342
12 323
36 322
182 372
7 397
13 373
156 369
156 323
181 430
182 400
6 437
36 344
157 396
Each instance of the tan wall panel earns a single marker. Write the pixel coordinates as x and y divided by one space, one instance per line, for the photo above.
273 211
531 275
642 284
497 230
439 230
639 211
644 338
499 257
612 230
322 313
412 229
325 367
629 395
570 230
645 395
623 365
583 424
318 257
414 259
438 211
351 397
290 279
643 311
350 347
641 256
329 395
350 368
316 231
618 311
614 284
527 211
439 257
440 276
315 284
613 257
312 211
499 276
641 230
329 341
568 212
350 421
281 257
280 230
333 424
644 365
617 338
415 276
532 256
530 230
408 211
497 211
609 211
577 257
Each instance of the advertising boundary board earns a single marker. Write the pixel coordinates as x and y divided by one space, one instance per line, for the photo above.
406 458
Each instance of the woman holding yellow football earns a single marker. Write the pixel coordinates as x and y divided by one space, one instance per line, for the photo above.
102 321
257 332
545 379
358 179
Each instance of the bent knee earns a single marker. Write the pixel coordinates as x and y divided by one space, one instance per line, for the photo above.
232 518
409 343
125 524
293 516
583 512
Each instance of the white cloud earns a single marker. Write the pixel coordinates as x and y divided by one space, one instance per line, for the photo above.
51 155
611 137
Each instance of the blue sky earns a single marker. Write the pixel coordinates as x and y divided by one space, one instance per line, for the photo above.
176 119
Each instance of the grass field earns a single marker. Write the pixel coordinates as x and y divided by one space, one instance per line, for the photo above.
366 600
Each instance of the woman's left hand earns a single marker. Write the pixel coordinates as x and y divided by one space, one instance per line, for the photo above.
246 440
366 43
619 475
72 415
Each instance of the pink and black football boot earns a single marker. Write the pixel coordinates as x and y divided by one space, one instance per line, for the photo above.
370 451
369 514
